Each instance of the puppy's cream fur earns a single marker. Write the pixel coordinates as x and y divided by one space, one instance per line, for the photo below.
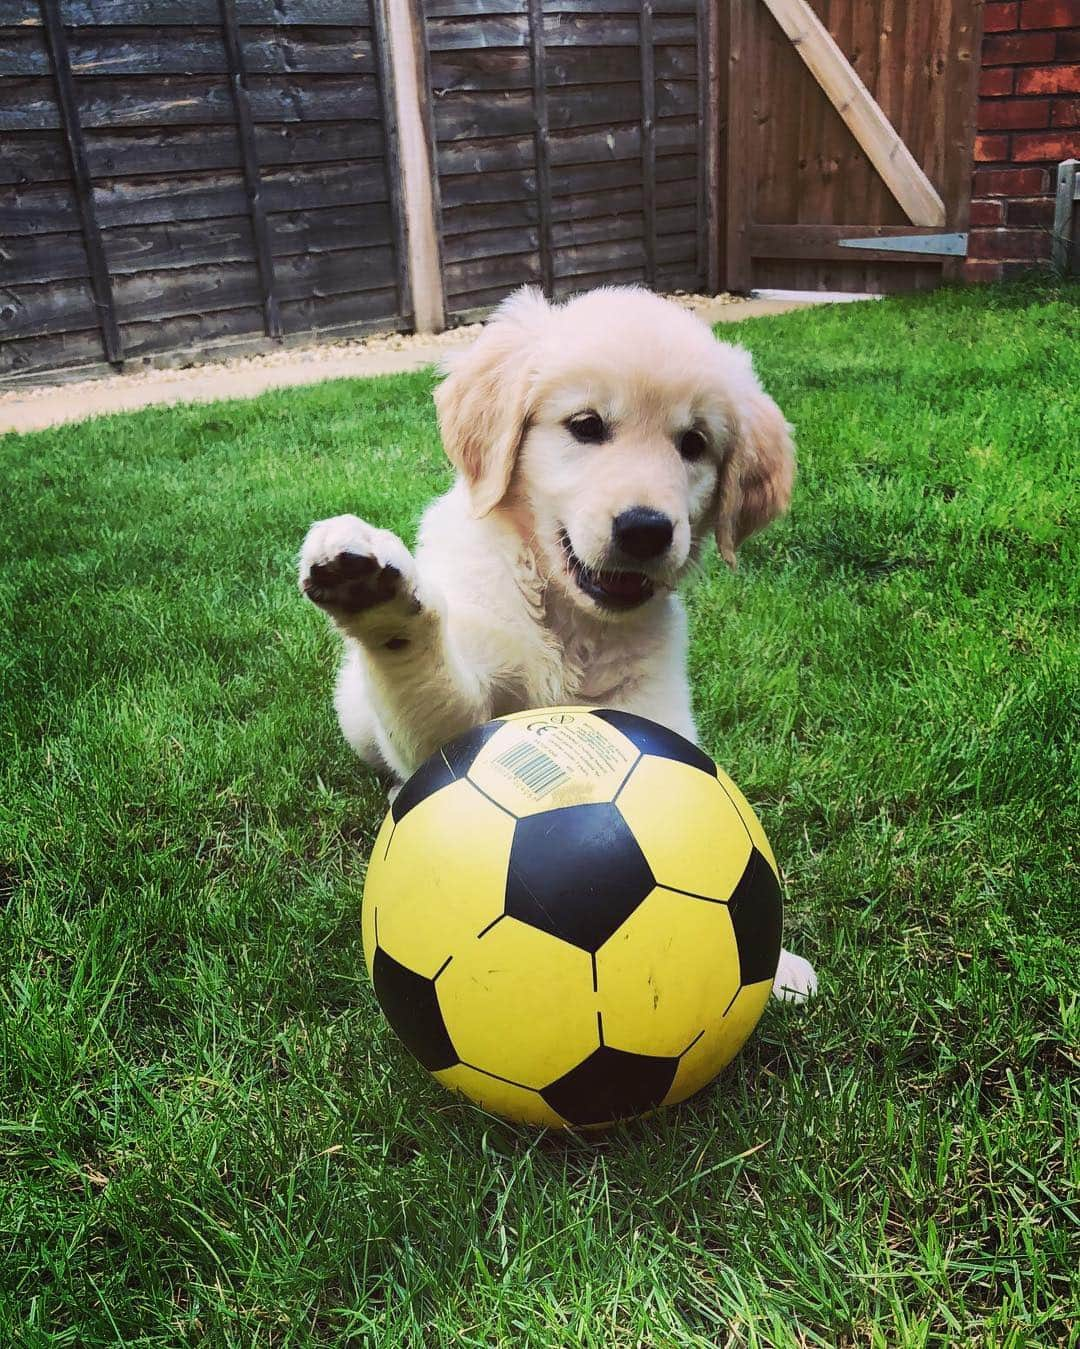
488 617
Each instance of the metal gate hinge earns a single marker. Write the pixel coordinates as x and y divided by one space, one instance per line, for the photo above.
937 245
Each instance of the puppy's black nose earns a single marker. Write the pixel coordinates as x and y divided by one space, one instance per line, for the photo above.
642 533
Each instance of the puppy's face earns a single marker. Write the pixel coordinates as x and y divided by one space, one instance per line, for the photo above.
619 466
621 433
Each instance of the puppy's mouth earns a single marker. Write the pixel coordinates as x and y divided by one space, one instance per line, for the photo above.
610 589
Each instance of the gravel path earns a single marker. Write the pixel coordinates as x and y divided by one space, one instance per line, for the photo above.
35 407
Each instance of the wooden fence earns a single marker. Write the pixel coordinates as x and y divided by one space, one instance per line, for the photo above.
569 144
218 174
179 175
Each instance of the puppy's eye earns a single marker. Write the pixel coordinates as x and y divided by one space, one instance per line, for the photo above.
693 445
588 428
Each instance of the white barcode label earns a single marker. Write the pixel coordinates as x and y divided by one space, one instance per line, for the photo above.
533 768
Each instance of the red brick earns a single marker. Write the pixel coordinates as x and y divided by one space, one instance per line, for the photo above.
989 149
1014 49
1031 212
1009 182
996 82
1049 80
1068 45
978 269
999 18
1005 245
1050 14
1066 112
1040 145
1008 114
987 213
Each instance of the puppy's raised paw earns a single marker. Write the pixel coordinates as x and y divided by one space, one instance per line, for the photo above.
349 568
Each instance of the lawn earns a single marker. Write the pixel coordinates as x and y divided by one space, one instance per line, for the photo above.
207 1134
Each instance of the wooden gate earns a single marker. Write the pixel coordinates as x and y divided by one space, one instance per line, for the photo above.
568 144
841 122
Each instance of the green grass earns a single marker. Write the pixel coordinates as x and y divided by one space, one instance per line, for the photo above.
209 1136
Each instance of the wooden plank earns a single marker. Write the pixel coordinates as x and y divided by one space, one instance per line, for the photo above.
44 257
579 283
560 30
607 255
822 242
881 278
249 158
734 37
461 190
569 180
30 357
442 9
317 314
961 117
135 201
481 273
394 168
202 332
568 233
40 156
67 106
709 94
419 181
477 116
494 154
648 138
486 68
40 311
494 243
170 14
501 68
193 290
580 208
35 156
26 104
540 139
154 151
194 51
874 132
472 217
192 338
27 211
163 296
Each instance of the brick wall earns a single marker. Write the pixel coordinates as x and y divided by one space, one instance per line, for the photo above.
1029 120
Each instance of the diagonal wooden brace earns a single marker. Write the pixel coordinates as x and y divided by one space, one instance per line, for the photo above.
877 136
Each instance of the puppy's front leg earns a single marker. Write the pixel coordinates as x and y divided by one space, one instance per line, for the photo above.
367 581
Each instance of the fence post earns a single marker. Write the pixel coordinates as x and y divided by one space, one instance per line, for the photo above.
735 37
1065 246
100 280
419 185
541 149
648 137
710 196
245 131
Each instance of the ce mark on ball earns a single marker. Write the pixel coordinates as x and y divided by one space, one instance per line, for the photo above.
549 723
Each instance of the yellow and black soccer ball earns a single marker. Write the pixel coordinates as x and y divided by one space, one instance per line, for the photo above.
572 916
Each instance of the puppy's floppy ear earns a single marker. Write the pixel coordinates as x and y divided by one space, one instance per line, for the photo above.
483 402
758 474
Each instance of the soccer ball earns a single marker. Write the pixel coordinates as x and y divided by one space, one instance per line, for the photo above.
572 916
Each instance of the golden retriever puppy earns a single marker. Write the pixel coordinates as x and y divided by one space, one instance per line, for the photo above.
598 444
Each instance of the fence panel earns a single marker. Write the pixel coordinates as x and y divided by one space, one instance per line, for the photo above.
568 145
233 158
